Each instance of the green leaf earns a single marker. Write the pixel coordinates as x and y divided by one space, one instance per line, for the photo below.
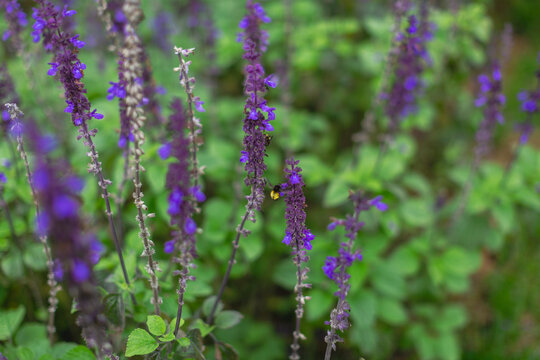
156 325
227 319
185 342
167 337
34 257
140 342
12 265
114 308
25 353
79 353
203 327
391 311
10 321
336 193
416 212
208 303
172 324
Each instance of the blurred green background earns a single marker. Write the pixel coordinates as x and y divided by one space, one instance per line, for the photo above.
424 290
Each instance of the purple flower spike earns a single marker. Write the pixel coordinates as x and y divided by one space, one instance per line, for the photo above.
492 100
335 268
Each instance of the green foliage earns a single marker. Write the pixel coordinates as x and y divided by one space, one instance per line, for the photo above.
140 342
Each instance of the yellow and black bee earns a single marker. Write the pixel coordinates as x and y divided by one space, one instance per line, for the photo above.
267 139
275 193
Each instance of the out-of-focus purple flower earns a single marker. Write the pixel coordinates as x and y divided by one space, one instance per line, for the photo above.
412 57
169 247
198 194
58 271
16 21
335 268
164 151
492 99
163 26
198 104
255 122
530 105
7 95
3 178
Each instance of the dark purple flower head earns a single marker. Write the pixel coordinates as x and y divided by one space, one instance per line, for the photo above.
296 233
492 100
412 57
49 24
16 21
257 114
530 105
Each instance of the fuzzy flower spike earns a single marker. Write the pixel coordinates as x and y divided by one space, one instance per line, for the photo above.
16 20
299 238
60 219
257 117
335 268
530 105
69 70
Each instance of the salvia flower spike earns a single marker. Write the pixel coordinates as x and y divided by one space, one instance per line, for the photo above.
335 268
16 20
256 123
299 238
16 116
67 67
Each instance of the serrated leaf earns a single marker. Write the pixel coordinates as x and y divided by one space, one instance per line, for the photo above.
156 325
227 319
140 342
114 308
25 353
10 321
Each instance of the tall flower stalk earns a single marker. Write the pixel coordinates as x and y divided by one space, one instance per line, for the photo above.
299 238
256 124
69 70
16 116
183 179
491 99
132 71
336 267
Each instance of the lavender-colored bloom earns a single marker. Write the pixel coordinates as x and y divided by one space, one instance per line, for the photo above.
164 151
3 178
299 238
411 59
255 122
7 95
335 268
16 20
74 250
530 105
492 99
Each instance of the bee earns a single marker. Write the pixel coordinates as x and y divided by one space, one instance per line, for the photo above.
275 193
267 139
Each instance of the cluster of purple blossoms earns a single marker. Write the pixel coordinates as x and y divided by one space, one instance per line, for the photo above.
66 64
299 238
256 123
491 99
296 233
75 251
335 268
530 105
178 179
16 20
410 62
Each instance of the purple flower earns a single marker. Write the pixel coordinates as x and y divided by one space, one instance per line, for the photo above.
411 58
164 151
16 21
77 43
169 247
116 90
492 100
335 268
198 104
3 177
198 194
530 104
255 86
